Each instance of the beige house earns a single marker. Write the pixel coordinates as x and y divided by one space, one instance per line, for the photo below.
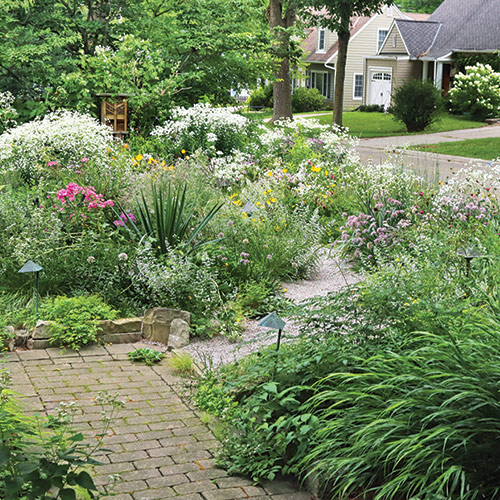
427 48
368 35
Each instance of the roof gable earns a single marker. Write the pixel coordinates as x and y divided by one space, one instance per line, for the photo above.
418 36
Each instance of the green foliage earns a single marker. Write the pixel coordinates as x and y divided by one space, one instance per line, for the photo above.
425 6
76 319
477 92
146 355
262 97
45 459
417 104
304 99
371 108
171 221
464 60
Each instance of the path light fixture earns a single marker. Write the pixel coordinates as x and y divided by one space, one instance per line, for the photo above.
274 322
469 253
32 267
249 208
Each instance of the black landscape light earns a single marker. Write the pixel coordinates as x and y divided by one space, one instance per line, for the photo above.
249 208
32 267
469 253
274 322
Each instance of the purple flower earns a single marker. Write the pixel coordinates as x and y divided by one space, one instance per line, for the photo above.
220 235
269 257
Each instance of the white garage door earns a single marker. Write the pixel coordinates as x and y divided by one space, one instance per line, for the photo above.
381 87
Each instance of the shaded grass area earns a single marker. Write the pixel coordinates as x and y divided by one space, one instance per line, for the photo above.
484 149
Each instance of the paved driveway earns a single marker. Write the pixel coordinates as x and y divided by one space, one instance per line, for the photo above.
160 447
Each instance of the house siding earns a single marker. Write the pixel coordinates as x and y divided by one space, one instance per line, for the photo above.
406 70
364 44
388 47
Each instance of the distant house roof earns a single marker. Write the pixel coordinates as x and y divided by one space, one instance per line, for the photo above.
310 45
467 25
418 36
417 16
455 26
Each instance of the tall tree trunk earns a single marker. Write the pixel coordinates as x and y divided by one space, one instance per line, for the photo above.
338 106
282 92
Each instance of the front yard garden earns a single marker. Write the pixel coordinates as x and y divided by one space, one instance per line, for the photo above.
391 389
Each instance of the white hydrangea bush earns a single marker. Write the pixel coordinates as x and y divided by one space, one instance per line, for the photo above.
477 91
57 140
8 113
205 127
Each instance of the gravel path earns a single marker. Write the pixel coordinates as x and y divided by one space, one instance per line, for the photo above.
331 275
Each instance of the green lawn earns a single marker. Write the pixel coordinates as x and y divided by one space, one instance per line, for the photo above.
384 125
379 124
484 149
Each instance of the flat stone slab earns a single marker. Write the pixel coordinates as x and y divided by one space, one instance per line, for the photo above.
157 443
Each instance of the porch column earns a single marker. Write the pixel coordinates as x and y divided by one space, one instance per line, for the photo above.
438 76
425 70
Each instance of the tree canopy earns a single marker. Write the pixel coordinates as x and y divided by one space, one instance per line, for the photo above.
427 6
57 53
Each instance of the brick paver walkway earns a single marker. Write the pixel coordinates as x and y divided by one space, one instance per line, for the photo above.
158 444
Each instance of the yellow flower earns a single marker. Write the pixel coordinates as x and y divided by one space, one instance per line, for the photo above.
171 168
183 151
139 157
273 200
315 169
285 290
285 170
270 174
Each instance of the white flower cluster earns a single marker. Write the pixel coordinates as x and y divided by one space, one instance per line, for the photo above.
232 168
477 91
8 114
202 122
63 137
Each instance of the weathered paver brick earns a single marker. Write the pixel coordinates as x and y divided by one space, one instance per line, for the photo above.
172 480
157 494
197 487
179 468
141 445
200 475
225 494
153 462
130 486
298 495
131 456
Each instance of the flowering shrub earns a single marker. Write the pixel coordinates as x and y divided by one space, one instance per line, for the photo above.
8 114
59 139
477 92
203 126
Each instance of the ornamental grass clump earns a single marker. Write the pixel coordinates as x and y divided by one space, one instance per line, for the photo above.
421 422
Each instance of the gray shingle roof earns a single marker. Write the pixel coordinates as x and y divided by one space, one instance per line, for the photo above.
467 25
418 35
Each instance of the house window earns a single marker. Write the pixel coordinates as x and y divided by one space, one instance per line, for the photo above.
358 86
321 39
322 81
395 41
382 34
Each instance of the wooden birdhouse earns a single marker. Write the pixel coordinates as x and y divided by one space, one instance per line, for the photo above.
114 112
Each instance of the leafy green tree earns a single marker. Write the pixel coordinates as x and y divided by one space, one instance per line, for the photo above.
53 53
336 16
427 6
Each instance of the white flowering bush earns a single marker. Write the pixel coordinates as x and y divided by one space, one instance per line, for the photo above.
59 139
477 92
8 114
205 127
